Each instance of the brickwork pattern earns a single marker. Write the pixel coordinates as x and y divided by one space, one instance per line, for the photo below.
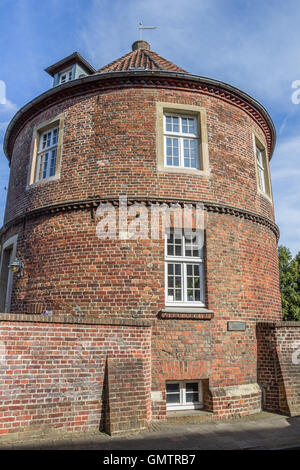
53 375
279 366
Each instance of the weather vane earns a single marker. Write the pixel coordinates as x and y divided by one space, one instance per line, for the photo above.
141 27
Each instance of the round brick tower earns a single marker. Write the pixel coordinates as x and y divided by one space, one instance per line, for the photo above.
147 130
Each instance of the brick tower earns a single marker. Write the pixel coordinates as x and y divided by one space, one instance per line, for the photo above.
168 324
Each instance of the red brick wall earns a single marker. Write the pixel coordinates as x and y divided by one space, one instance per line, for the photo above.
279 366
110 148
66 265
53 374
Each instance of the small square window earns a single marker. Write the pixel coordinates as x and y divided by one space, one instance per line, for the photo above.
65 76
184 395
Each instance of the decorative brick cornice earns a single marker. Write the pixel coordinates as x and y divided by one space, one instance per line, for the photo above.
86 320
93 203
185 316
146 79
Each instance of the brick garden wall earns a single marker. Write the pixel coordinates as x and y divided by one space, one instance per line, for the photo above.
278 365
55 374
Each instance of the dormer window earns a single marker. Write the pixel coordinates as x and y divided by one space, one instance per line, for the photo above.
70 68
65 76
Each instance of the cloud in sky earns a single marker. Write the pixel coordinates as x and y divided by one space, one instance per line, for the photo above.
251 44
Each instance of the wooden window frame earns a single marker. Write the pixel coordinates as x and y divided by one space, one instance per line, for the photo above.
36 151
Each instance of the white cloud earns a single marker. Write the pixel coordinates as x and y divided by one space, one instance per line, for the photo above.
8 107
285 172
3 125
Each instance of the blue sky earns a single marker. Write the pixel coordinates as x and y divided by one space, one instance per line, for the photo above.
252 44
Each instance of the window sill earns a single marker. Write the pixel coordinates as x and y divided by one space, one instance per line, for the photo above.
42 182
265 195
189 171
186 313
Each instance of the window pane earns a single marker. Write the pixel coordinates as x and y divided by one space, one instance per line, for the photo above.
52 163
192 392
173 398
193 282
188 126
172 124
174 245
54 136
172 393
174 282
172 149
190 153
192 397
191 386
172 387
193 243
45 167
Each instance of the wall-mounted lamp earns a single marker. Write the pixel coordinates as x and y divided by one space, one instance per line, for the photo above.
17 267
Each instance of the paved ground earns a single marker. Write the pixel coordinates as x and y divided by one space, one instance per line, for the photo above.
261 431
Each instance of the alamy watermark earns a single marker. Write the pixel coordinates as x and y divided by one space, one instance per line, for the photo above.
140 222
296 94
296 353
2 92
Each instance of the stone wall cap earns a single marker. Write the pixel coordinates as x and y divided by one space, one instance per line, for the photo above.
85 320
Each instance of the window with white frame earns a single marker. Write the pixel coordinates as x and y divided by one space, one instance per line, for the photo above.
184 395
184 279
262 168
47 154
65 76
181 141
7 256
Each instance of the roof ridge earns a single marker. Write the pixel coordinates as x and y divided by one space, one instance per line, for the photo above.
115 61
168 61
148 54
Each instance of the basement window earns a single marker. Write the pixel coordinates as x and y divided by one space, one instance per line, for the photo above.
184 395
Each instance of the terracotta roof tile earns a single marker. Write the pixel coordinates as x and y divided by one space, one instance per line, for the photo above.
141 58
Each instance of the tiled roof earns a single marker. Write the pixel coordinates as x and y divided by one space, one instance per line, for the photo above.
141 58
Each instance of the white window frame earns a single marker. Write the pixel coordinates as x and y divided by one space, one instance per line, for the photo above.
11 243
46 152
181 136
261 169
68 74
184 261
264 186
184 405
